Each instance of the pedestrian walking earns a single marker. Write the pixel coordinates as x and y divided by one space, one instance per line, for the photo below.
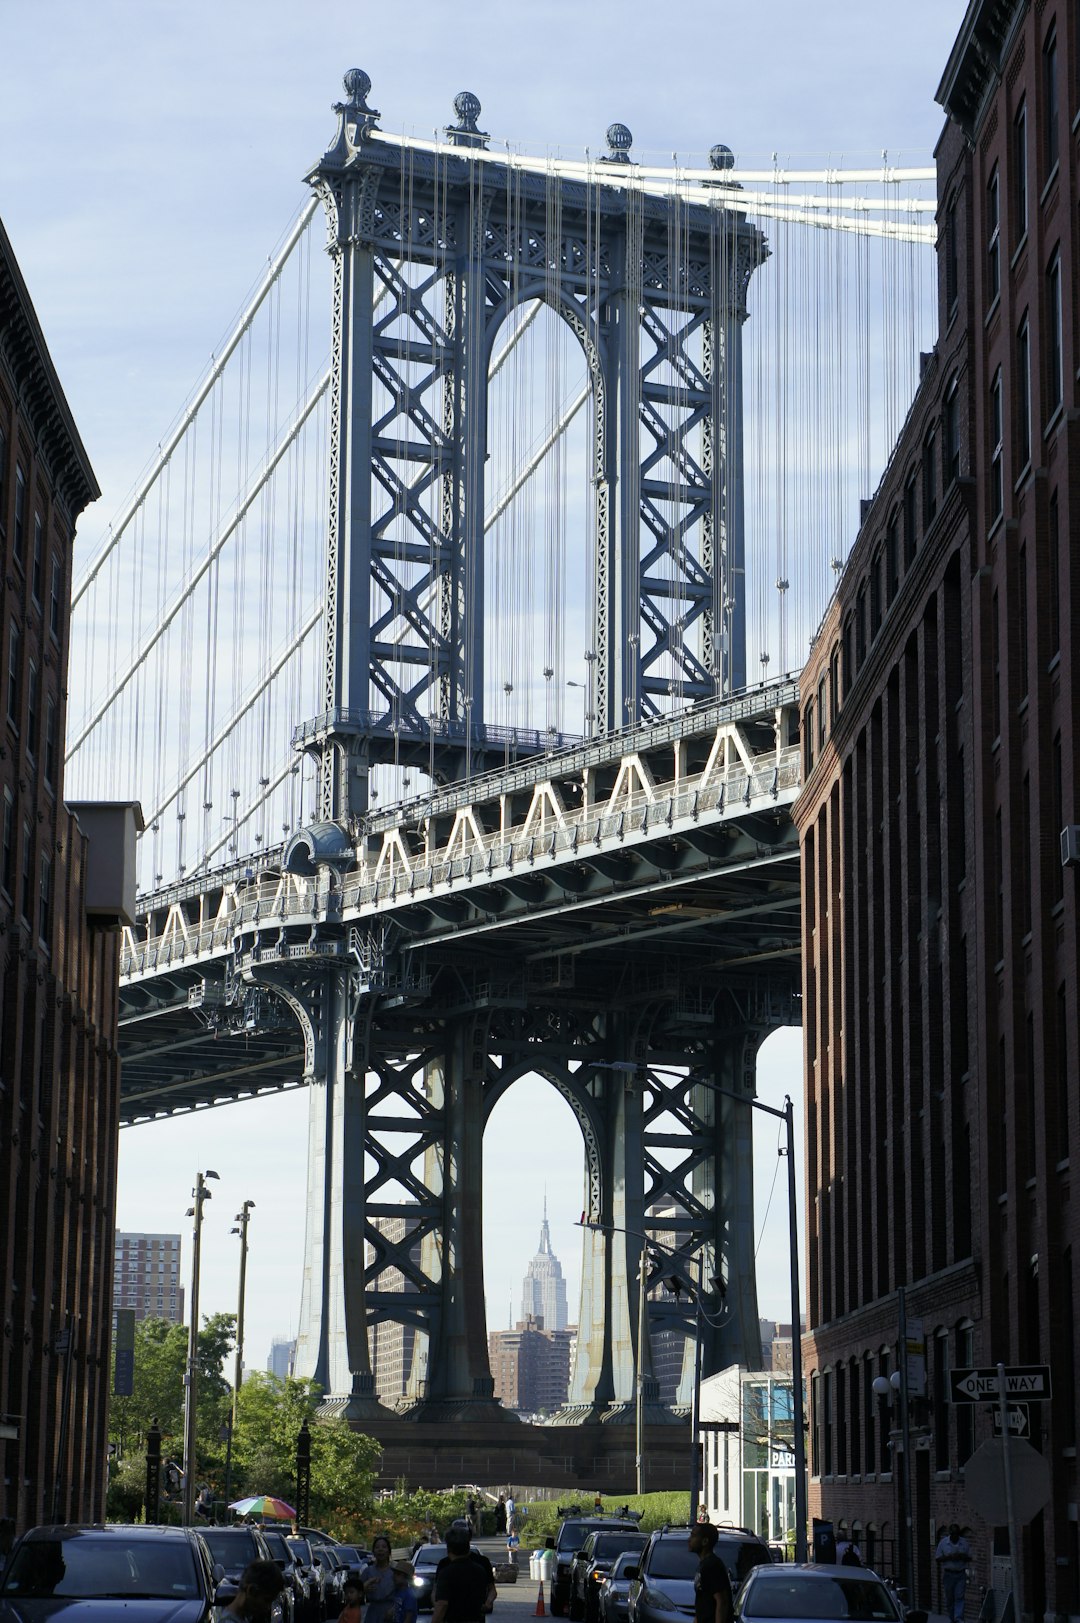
500 1515
953 1556
712 1585
378 1583
406 1605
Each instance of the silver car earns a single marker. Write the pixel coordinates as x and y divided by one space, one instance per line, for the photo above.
616 1587
816 1594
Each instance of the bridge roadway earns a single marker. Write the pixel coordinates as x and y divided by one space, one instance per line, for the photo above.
662 857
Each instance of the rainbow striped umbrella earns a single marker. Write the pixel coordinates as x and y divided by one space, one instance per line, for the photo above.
264 1504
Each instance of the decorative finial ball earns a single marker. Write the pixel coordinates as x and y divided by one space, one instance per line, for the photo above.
357 85
619 138
467 107
721 157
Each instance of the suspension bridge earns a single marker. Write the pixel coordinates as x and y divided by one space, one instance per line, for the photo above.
499 457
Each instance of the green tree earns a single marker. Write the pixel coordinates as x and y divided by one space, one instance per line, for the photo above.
160 1364
269 1415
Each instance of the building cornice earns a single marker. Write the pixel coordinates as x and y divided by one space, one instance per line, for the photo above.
23 346
975 63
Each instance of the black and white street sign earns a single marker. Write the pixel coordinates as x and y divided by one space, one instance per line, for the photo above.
1019 1420
1028 1381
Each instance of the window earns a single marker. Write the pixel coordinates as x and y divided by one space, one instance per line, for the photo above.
7 861
1050 105
52 718
965 1412
951 280
995 655
13 694
27 868
993 238
1054 379
911 528
55 588
3 482
1022 619
39 543
950 449
1023 395
1020 162
876 571
45 901
1054 594
929 469
32 713
20 514
892 556
822 714
996 492
808 726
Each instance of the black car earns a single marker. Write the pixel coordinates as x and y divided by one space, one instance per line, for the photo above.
311 1573
288 1567
234 1548
425 1559
573 1531
592 1564
154 1574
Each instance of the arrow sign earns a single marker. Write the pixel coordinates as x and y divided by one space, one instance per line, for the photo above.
1028 1381
1019 1420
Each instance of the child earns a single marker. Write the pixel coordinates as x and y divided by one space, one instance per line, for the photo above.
406 1605
350 1612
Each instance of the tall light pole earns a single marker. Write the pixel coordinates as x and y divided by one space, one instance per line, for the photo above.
242 1218
648 1243
200 1194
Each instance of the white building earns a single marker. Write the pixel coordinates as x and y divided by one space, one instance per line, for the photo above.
748 1464
543 1294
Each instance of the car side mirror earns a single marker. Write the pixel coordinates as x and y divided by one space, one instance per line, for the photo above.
217 1572
631 1572
549 1543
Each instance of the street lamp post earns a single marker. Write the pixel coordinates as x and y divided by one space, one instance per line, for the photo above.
242 1218
200 1194
648 1243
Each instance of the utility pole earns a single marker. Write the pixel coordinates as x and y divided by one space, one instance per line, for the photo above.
200 1194
242 1218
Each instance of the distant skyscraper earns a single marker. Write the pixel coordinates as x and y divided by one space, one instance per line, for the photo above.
146 1270
543 1296
281 1356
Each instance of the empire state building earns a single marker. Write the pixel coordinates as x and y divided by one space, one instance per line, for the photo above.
543 1295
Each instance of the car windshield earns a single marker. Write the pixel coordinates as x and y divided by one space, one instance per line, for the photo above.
806 1595
277 1546
301 1550
349 1552
609 1545
429 1555
629 1558
234 1547
89 1568
671 1559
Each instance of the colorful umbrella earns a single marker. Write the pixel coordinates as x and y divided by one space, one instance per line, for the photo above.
264 1504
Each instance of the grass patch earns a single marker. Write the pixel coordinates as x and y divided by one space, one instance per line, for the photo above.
656 1509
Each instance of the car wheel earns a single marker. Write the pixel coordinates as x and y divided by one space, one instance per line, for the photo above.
556 1606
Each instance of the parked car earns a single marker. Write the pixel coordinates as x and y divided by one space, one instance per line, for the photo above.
234 1548
591 1566
425 1559
154 1574
834 1594
289 1568
335 1570
616 1587
314 1607
573 1531
663 1591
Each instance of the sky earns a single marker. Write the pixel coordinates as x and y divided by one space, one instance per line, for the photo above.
151 156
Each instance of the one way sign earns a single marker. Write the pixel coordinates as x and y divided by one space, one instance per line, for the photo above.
1030 1381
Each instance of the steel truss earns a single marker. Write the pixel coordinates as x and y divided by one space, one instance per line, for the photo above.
655 291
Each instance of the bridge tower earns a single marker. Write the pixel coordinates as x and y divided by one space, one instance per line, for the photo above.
433 252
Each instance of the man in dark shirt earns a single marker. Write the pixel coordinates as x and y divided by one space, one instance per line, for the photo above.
712 1586
464 1582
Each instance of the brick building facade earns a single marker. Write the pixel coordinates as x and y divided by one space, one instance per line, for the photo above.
59 1070
940 927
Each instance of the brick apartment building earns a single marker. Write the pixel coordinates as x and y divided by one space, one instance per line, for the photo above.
530 1365
941 967
63 880
146 1276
